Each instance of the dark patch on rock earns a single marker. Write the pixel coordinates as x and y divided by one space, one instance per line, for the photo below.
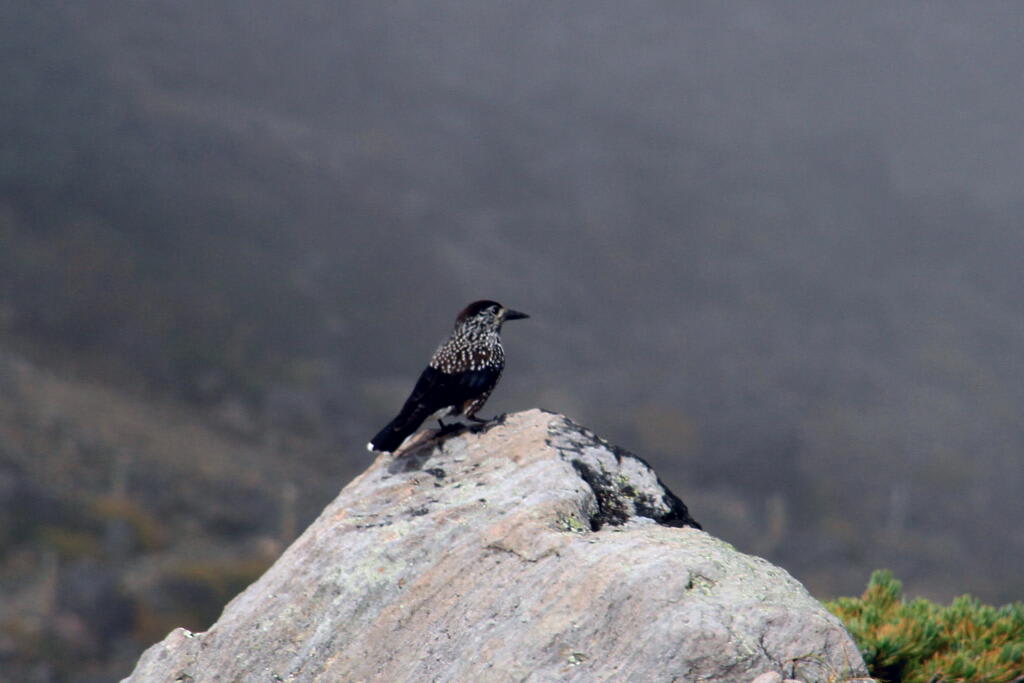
435 472
610 509
677 514
620 490
417 512
384 522
699 582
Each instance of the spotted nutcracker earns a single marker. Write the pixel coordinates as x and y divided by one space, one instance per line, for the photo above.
460 377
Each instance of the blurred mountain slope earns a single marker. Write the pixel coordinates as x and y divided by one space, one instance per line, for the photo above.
775 247
125 517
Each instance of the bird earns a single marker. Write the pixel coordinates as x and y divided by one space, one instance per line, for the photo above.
459 378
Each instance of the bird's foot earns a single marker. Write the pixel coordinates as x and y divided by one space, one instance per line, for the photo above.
484 425
497 419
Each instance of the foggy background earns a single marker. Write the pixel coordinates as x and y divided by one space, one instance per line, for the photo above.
773 248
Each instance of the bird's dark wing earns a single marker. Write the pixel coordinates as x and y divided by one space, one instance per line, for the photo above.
473 383
434 391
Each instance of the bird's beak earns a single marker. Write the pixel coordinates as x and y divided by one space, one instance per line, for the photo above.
514 315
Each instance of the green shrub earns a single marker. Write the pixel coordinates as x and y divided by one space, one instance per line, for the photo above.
921 642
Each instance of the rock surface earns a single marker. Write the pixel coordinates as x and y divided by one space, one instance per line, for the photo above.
528 550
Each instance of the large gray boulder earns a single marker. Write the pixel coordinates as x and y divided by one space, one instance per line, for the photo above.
529 550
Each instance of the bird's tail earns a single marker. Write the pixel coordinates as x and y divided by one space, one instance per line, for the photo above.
396 431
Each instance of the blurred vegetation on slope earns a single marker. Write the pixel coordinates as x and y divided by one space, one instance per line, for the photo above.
122 518
921 642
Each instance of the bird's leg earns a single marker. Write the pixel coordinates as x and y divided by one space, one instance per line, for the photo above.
474 418
447 428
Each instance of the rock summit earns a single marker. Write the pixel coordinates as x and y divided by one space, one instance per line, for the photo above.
524 550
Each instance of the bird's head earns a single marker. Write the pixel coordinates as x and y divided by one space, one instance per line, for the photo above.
486 314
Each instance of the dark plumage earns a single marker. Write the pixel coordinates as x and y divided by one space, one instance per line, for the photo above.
460 376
